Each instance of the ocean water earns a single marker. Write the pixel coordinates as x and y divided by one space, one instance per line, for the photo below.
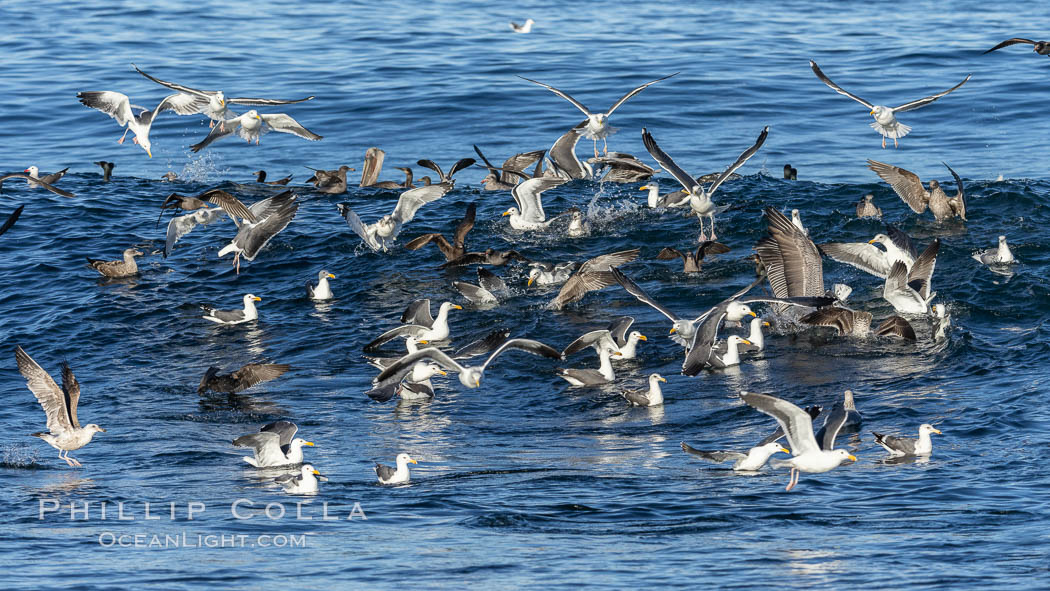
523 482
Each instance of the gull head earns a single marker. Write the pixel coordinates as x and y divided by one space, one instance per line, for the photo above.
636 336
405 460
33 171
843 455
132 252
386 225
512 211
683 327
299 442
92 428
656 378
737 340
470 377
250 298
882 114
736 311
924 428
534 274
773 447
1002 241
880 239
325 275
446 306
220 98
434 369
599 120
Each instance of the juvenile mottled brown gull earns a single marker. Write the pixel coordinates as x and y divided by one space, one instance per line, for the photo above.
458 246
115 269
242 379
592 275
909 187
59 404
885 120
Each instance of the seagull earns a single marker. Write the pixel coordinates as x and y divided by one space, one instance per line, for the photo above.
525 28
52 178
796 220
119 107
529 215
211 103
578 224
867 209
904 446
999 255
792 261
699 199
115 269
388 475
692 260
909 291
273 215
909 187
592 275
654 396
414 385
381 235
598 123
885 117
107 170
11 219
563 162
613 338
898 326
513 169
622 168
60 406
248 314
808 457
181 225
34 183
731 356
1040 47
303 483
227 202
592 377
458 247
252 125
752 461
847 322
321 291
551 273
274 445
260 177
417 321
243 378
469 376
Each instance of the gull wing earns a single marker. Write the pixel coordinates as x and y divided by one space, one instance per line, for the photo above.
632 288
282 123
618 329
11 219
516 165
71 387
905 183
704 340
266 446
670 254
404 330
181 225
624 98
475 293
228 203
527 194
929 99
183 104
902 240
796 422
588 339
836 87
566 96
464 226
207 94
896 325
563 153
48 394
482 346
29 179
403 365
744 157
286 430
864 256
262 102
1013 41
605 262
921 273
527 345
490 281
418 312
667 163
227 127
792 261
411 200
957 203
251 238
359 228
839 318
114 104
256 373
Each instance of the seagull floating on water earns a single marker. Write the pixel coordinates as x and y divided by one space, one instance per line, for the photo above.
654 396
1000 255
115 269
904 446
248 314
388 475
525 28
321 291
305 482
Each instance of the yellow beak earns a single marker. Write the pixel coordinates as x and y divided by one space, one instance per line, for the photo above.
645 188
423 342
317 473
505 213
662 379
872 112
766 324
672 330
785 450
457 307
477 382
442 372
872 241
617 353
641 337
149 153
310 443
745 341
530 281
753 314
330 276
852 457
938 431
257 298
414 462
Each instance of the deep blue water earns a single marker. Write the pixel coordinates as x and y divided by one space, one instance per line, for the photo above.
524 481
